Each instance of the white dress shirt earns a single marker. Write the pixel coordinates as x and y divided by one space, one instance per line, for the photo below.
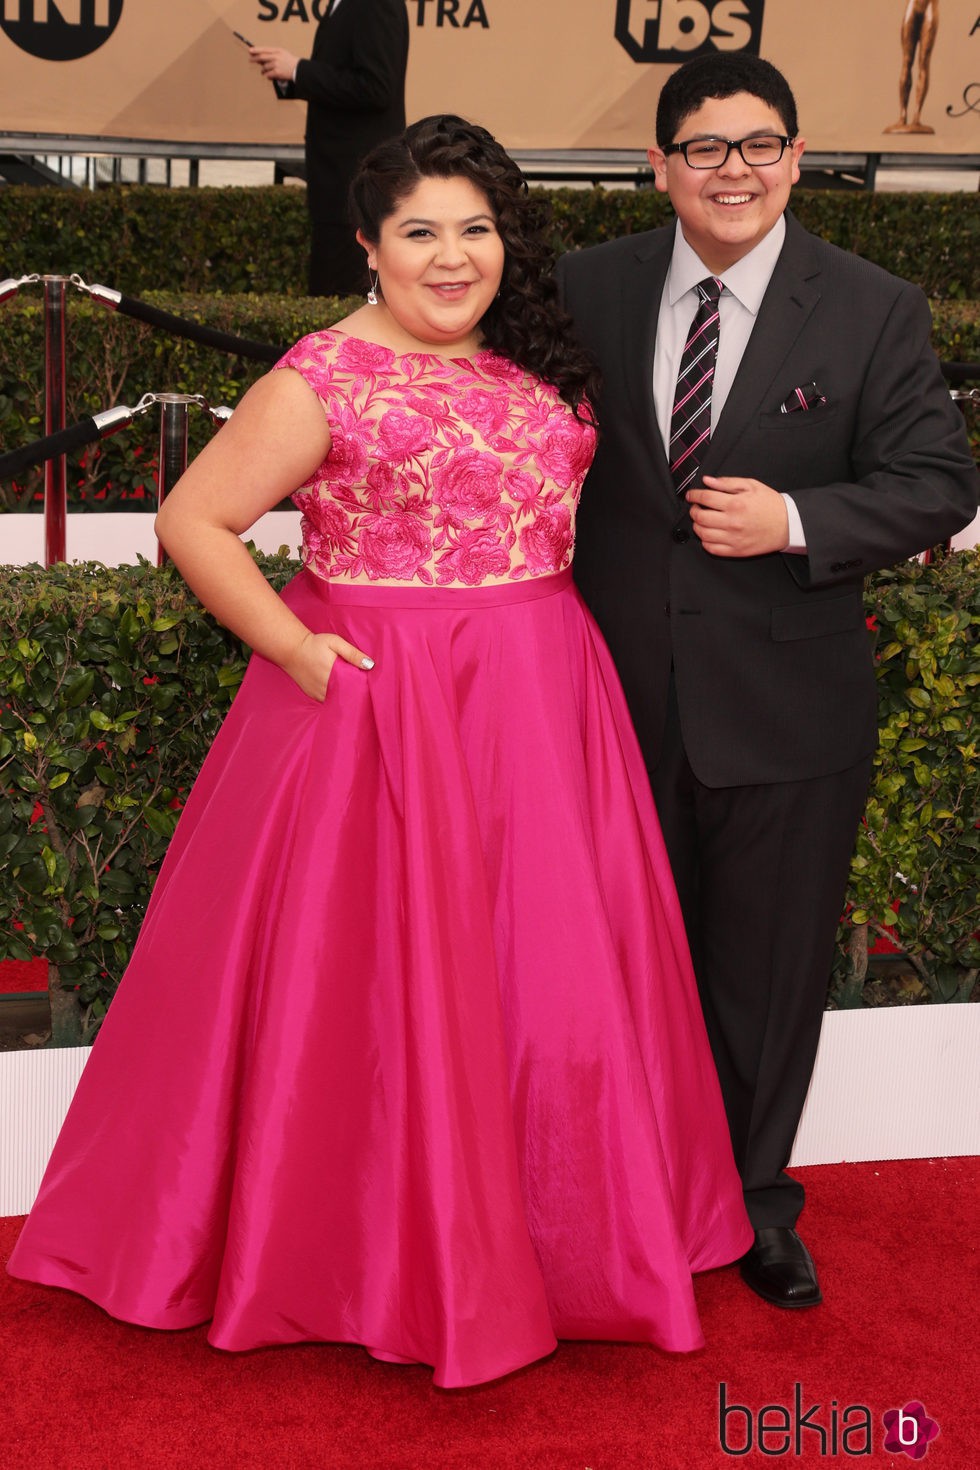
745 284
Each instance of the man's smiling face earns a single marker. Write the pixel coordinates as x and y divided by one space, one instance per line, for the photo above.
725 212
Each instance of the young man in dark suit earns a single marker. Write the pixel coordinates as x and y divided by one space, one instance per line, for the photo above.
745 482
354 83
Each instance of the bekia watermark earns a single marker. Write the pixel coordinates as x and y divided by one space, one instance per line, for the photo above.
909 1430
775 1429
819 1429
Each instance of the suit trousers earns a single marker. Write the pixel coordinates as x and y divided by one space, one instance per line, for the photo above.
338 265
761 873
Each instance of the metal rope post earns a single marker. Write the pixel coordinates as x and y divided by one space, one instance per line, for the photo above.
173 441
55 470
174 406
173 447
962 397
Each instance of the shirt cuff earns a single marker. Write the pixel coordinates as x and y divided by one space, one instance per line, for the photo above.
796 544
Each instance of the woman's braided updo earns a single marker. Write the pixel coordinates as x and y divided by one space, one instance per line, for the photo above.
525 321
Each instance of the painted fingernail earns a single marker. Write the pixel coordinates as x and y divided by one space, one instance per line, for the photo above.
367 663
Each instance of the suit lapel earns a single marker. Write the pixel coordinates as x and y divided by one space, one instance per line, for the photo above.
335 20
791 296
642 288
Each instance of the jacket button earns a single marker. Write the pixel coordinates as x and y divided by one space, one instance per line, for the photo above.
681 534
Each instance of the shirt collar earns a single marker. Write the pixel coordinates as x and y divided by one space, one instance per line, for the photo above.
747 279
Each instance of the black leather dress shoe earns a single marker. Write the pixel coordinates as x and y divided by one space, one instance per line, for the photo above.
780 1269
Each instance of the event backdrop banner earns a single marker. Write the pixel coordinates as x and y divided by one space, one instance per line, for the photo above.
871 76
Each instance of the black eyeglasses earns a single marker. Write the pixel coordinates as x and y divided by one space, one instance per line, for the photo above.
758 152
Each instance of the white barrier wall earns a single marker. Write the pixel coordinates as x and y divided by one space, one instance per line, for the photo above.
115 538
888 1084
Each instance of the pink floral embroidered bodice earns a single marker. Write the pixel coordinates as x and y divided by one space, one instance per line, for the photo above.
441 472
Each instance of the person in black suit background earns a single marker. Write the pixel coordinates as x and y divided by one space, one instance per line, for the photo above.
733 603
354 85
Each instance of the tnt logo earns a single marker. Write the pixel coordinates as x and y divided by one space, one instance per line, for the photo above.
676 30
59 30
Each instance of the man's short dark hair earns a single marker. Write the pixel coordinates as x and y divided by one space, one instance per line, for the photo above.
722 74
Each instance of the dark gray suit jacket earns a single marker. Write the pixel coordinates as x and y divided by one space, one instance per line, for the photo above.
772 659
354 82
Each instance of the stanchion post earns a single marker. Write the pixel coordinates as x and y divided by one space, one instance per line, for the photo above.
173 447
961 398
55 470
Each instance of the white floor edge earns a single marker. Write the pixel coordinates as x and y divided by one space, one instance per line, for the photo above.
888 1084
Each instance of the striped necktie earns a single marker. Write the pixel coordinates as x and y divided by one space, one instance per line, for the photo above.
690 419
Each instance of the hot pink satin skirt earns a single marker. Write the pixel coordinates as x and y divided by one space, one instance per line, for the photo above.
409 1053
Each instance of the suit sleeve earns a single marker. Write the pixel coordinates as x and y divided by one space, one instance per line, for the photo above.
914 481
374 74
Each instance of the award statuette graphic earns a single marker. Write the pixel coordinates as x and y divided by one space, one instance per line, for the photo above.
920 23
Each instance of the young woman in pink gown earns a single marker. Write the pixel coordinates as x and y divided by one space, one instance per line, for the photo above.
409 1053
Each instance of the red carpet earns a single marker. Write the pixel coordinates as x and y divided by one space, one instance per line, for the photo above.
896 1243
19 976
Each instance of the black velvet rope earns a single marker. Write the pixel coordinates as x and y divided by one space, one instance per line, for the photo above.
86 431
209 336
957 373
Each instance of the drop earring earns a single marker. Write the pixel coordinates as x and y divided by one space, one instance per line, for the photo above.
372 295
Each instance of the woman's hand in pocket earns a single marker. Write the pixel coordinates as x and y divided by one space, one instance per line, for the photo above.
314 658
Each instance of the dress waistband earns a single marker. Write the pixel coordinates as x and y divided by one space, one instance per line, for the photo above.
378 594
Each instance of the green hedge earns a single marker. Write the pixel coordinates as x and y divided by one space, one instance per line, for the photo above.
914 871
139 239
115 684
116 681
114 358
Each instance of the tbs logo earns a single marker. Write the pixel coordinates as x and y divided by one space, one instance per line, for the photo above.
59 30
676 30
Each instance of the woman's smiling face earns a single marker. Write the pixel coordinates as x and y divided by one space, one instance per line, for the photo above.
439 260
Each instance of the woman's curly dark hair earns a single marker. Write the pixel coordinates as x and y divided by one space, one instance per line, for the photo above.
525 322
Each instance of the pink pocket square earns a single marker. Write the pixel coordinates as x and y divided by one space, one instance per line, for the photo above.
801 400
